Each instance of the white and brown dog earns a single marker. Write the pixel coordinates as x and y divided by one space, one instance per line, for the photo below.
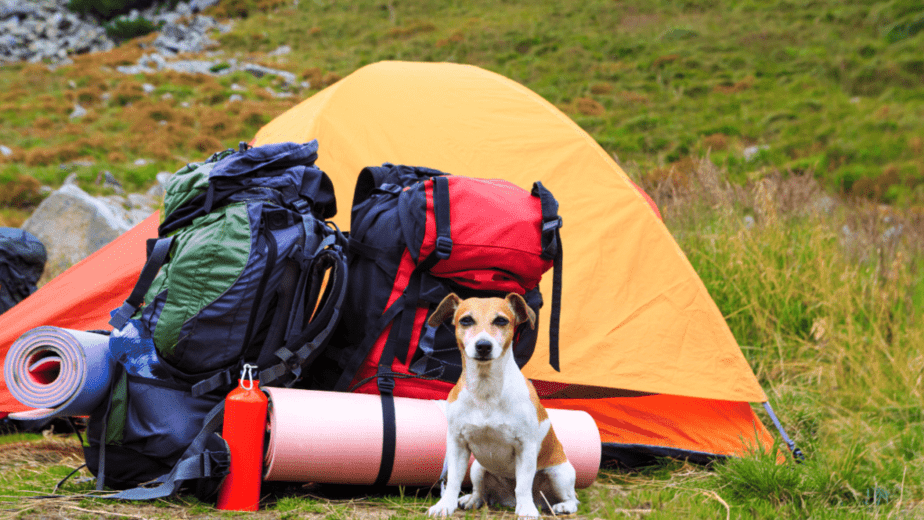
494 413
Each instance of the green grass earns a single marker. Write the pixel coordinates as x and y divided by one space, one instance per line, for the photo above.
825 295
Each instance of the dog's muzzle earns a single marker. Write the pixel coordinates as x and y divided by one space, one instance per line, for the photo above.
483 350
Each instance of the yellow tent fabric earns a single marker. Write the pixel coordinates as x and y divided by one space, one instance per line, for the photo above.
635 315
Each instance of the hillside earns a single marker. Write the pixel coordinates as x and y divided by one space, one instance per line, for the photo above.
816 88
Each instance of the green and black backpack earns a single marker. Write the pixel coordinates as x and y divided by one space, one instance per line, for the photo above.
246 270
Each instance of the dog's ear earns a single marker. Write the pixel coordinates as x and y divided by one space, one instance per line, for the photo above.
521 310
445 310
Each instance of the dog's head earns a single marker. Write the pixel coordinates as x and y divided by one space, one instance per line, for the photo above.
484 326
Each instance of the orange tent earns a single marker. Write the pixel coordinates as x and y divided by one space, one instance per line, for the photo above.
644 349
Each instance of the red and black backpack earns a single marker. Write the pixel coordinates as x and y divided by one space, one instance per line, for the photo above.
417 234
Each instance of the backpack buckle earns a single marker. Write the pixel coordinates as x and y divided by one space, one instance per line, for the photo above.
122 316
301 206
385 381
552 225
443 247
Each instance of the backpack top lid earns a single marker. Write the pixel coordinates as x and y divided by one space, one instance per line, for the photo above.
290 168
281 172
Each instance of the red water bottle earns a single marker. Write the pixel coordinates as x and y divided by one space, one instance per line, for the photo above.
244 428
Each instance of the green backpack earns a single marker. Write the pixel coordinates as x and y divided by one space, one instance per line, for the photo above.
237 277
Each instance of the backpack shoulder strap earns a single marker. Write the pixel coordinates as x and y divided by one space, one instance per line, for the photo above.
301 346
158 250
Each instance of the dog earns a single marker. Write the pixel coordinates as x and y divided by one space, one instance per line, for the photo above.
494 413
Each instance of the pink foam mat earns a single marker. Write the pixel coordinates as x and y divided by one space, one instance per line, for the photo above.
336 438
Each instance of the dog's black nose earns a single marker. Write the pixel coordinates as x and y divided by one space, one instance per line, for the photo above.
483 348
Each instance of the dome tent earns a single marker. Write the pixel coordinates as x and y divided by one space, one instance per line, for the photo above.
644 349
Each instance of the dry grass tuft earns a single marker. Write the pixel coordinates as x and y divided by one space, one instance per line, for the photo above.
680 187
52 155
716 142
126 54
253 115
634 98
916 144
313 76
875 188
330 78
15 94
589 107
21 192
456 37
658 62
87 95
43 123
734 88
212 94
411 29
206 144
219 124
50 450
127 92
601 88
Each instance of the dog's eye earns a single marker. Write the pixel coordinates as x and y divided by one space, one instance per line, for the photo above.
501 321
466 321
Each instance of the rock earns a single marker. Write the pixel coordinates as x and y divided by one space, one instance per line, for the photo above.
6 150
72 225
45 30
752 151
259 71
110 181
157 191
281 51
78 112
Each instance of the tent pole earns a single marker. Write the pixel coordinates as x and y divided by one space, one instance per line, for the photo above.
796 452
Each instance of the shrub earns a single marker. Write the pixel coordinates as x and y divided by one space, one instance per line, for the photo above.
122 29
109 9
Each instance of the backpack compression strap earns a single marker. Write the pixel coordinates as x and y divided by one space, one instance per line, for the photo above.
196 462
552 250
402 339
158 249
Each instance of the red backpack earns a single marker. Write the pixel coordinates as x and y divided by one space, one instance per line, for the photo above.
417 234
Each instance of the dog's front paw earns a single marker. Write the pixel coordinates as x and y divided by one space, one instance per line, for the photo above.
527 511
443 508
470 502
567 507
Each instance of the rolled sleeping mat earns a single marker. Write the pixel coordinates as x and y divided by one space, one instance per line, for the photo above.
336 438
60 372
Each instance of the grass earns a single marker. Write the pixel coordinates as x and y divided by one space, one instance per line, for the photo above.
811 244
